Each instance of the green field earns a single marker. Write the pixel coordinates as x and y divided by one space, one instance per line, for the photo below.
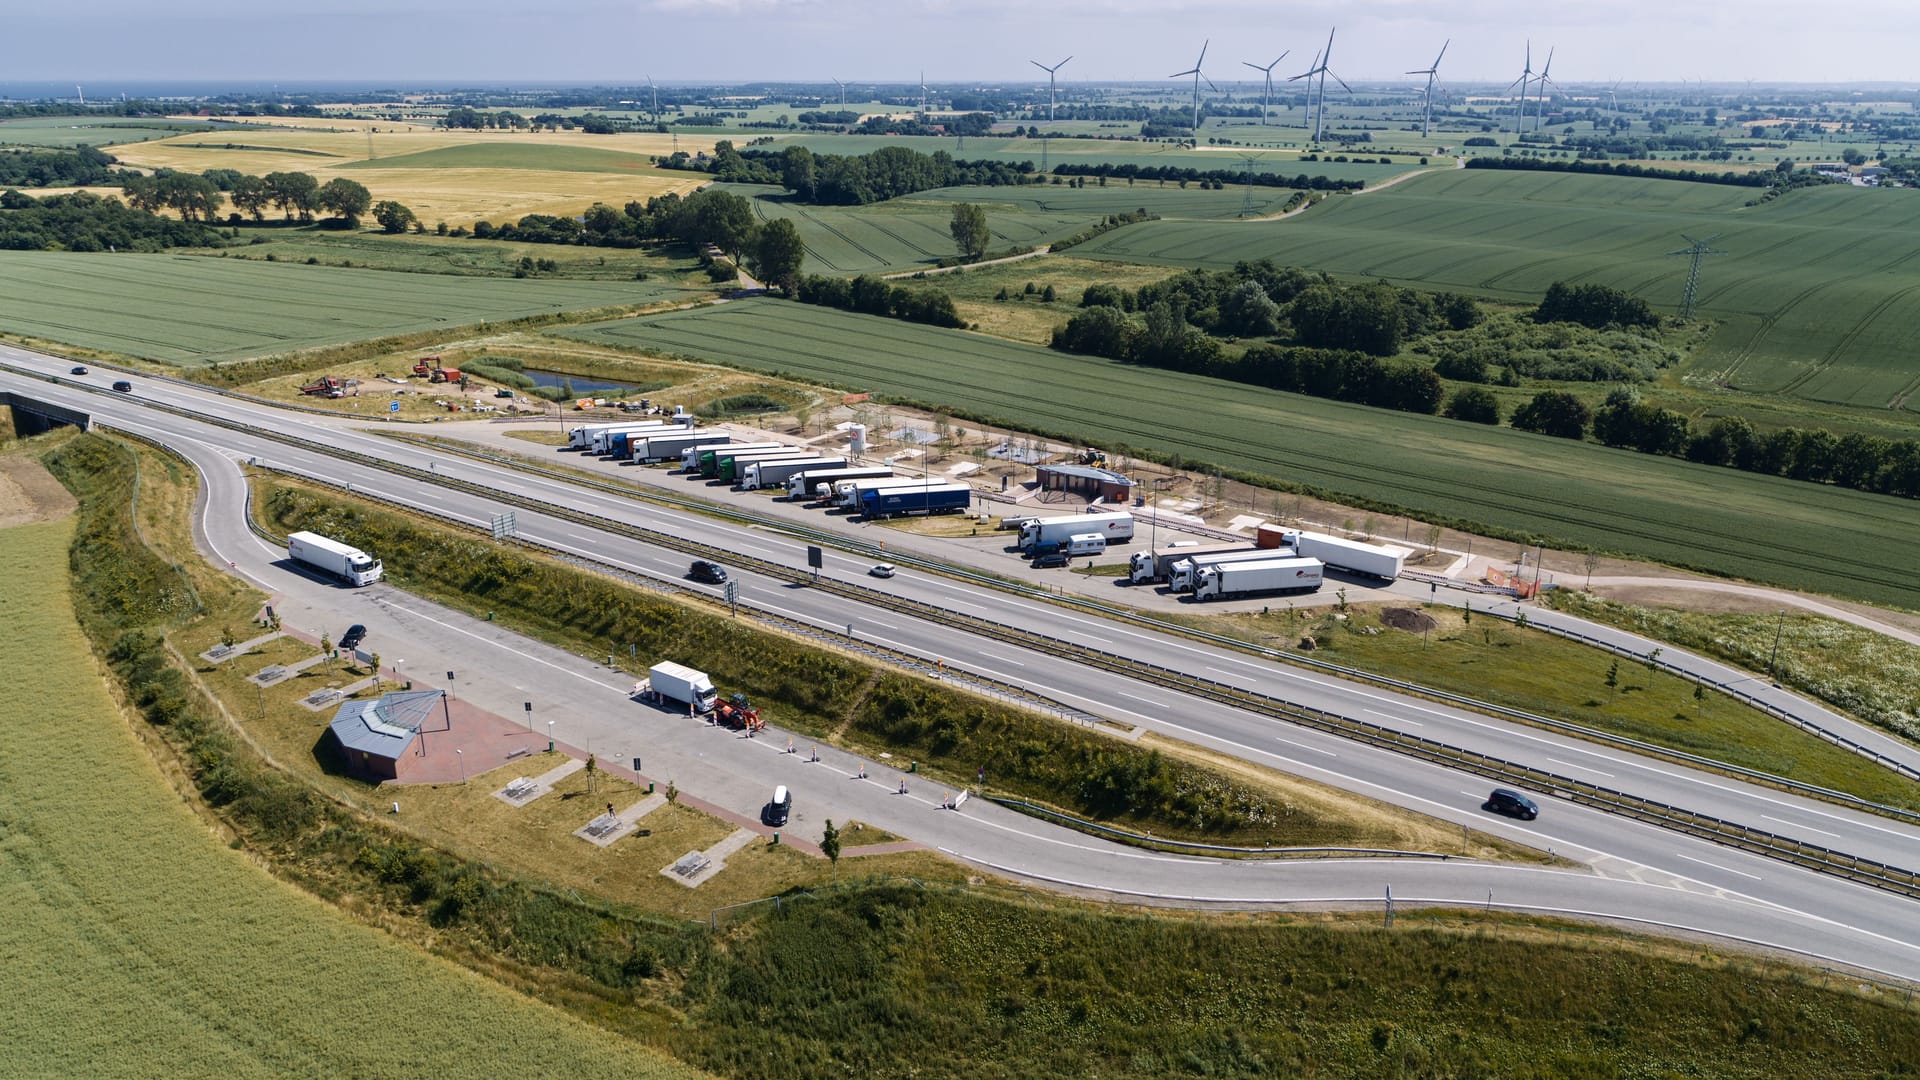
515 155
68 131
1740 524
188 309
138 945
1817 296
1093 151
911 232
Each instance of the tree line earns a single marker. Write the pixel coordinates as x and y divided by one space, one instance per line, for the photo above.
1621 168
82 166
84 221
1854 460
1130 170
199 197
870 295
852 179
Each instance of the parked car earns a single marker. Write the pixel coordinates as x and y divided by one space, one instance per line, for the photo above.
78 371
775 813
124 387
1512 804
353 637
1050 559
884 569
710 572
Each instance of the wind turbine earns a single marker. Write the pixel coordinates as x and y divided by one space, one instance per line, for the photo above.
843 90
1197 76
1525 79
82 93
655 92
923 95
1049 71
1540 100
1320 68
1266 95
1432 72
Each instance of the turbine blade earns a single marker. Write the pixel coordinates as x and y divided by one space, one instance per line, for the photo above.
1443 53
1342 82
1040 65
1252 65
1061 64
1198 64
1184 74
1210 85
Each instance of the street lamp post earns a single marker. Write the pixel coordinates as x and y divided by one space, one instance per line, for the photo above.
462 755
1775 654
450 692
549 736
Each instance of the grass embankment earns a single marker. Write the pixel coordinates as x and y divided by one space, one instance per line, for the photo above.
1498 662
904 980
462 256
1871 676
137 944
831 696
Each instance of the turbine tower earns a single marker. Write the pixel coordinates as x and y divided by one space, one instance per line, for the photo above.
1266 95
82 93
923 95
1432 72
1197 76
1320 68
843 90
1525 80
655 92
1540 99
1049 71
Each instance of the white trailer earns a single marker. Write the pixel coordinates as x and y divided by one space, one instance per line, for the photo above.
1372 560
766 474
349 564
690 458
1184 574
1086 544
1226 581
846 493
1116 526
729 466
670 447
669 681
1148 566
810 483
602 441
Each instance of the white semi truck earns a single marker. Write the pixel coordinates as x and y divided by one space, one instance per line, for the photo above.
1116 526
349 564
1149 566
766 474
847 492
1227 581
1183 574
1373 560
808 484
671 447
669 681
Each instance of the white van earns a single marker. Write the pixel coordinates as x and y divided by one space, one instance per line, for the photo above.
776 812
1086 544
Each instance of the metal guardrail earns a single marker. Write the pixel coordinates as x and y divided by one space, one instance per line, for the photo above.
1148 840
1809 856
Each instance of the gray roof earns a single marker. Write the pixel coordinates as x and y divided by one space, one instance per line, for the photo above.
384 728
1087 472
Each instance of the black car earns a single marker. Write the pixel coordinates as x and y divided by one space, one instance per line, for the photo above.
710 572
78 371
353 637
778 809
1050 559
124 387
1512 804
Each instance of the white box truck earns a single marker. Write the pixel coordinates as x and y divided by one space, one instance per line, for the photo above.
808 484
1115 526
1184 573
1373 560
1086 544
349 564
766 474
1148 566
1227 581
588 436
669 681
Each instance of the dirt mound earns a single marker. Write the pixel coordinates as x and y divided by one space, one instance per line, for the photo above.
29 493
1413 622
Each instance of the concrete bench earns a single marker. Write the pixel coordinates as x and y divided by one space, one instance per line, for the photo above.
691 864
520 788
603 825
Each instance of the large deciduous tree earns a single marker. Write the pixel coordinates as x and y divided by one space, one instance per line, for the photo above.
295 193
345 198
970 232
777 254
393 217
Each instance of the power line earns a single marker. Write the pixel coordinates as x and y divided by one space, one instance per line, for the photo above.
1696 250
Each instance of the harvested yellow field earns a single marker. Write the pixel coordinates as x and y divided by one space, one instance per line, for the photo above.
464 176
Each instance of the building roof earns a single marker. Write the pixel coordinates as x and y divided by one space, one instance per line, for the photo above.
1087 472
387 727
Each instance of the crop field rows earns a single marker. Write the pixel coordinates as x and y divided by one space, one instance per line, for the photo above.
70 131
190 309
913 231
1740 524
1091 151
1816 294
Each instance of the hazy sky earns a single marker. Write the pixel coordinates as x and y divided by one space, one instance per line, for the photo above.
528 42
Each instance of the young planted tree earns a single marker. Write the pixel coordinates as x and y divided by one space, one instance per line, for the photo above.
373 661
326 650
970 232
830 847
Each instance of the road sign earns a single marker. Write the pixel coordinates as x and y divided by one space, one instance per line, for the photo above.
393 406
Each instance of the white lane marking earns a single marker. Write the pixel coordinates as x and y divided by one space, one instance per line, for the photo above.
1304 746
1242 663
620 689
1797 825
1137 697
1003 659
1395 719
582 539
1717 866
1582 768
876 622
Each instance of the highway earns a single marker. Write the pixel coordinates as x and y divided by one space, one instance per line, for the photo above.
1639 872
